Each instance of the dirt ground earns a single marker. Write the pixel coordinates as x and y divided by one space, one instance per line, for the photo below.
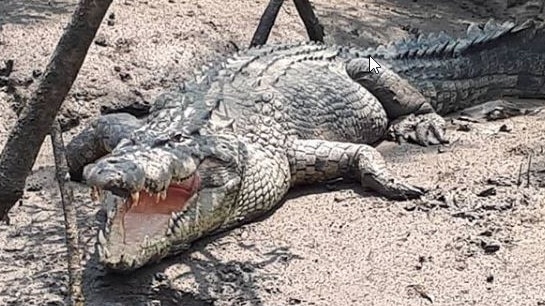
477 240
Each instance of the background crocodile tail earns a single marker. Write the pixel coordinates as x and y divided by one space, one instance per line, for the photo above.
492 61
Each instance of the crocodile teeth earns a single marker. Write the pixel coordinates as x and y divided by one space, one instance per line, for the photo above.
133 262
146 242
100 251
164 194
101 237
110 213
96 194
93 194
135 197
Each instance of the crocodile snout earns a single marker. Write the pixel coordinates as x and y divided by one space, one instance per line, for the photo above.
152 170
119 176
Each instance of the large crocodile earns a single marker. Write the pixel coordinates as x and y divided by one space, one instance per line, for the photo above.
226 147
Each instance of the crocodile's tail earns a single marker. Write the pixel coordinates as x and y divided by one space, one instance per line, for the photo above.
491 62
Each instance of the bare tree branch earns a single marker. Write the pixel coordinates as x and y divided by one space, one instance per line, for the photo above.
266 23
315 30
70 221
26 138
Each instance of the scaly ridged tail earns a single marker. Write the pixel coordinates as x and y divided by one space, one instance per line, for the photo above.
491 62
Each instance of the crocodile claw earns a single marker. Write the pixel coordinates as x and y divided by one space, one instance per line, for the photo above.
406 192
403 191
392 188
425 129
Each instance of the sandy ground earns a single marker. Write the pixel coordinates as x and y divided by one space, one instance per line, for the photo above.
477 240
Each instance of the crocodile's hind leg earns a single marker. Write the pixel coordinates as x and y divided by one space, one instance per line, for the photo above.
412 117
320 160
98 139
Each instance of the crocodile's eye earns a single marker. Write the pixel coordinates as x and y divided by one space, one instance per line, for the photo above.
179 136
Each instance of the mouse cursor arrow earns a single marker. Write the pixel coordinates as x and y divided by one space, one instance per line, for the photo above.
373 65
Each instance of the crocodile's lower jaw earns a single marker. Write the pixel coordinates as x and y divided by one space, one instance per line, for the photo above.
140 223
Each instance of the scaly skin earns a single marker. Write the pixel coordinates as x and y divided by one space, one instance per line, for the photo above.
228 146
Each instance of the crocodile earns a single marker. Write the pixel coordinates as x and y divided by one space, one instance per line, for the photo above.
224 147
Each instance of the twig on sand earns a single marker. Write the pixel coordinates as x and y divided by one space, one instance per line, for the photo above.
528 170
528 174
314 29
70 221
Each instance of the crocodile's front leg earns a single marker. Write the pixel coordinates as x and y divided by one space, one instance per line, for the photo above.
320 160
98 139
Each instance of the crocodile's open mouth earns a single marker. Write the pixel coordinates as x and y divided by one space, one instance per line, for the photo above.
146 215
145 221
137 225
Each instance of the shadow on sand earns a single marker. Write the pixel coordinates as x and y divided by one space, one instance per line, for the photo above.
28 11
346 27
235 281
238 282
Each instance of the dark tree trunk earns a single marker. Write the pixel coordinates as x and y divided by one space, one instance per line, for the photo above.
266 23
315 30
26 138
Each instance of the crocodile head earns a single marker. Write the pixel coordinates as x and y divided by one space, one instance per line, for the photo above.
161 197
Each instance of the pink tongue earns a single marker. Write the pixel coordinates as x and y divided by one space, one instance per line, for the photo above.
150 216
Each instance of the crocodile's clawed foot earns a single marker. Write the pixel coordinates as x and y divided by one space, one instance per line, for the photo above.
404 191
425 129
393 189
